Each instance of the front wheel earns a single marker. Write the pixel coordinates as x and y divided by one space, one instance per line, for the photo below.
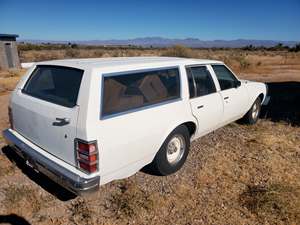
252 115
172 154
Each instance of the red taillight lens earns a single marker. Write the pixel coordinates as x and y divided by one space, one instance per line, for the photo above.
10 117
87 155
87 148
88 168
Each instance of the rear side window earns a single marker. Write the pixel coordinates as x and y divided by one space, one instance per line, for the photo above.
56 84
130 91
200 81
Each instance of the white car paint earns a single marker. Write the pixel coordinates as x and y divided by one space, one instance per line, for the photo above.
27 65
129 141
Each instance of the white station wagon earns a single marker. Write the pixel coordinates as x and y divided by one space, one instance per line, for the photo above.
86 122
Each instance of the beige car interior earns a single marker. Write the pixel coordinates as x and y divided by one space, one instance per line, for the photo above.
151 89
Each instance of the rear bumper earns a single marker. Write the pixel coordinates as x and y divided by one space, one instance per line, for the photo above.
64 177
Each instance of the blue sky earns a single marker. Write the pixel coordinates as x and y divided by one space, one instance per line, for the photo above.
206 20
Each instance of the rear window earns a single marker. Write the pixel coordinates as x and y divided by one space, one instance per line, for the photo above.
130 91
56 84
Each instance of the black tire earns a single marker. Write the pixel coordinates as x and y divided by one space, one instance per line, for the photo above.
161 164
251 118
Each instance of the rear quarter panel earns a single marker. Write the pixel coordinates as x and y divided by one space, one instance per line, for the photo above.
129 141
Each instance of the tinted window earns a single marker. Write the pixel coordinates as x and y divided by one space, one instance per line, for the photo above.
191 82
226 79
59 85
130 91
203 81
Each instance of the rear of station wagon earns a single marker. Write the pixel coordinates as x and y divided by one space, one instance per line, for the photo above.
90 121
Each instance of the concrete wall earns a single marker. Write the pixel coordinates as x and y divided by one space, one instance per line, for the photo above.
15 56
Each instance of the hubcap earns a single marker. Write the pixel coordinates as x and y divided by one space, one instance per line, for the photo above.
175 149
255 111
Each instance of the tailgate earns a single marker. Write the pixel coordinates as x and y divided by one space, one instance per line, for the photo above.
45 110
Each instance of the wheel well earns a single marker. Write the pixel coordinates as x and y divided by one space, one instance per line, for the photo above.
191 126
261 96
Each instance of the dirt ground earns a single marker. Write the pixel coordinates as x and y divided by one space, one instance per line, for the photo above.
236 175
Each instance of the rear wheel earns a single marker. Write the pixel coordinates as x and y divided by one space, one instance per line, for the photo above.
252 115
172 154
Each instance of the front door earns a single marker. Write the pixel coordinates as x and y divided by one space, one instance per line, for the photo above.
234 96
206 102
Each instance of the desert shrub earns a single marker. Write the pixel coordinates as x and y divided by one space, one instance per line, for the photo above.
227 60
243 62
132 53
71 53
179 51
116 53
296 48
73 45
37 56
98 53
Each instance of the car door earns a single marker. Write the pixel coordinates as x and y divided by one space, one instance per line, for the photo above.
235 97
206 103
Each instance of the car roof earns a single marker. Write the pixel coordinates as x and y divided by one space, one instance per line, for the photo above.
125 61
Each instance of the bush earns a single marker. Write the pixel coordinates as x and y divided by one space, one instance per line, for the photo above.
296 48
71 53
179 51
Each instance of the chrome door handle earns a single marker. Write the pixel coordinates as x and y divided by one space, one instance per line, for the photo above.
61 122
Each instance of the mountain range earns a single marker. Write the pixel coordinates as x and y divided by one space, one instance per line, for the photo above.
166 42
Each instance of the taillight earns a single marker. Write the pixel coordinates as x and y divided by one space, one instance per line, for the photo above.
10 118
87 155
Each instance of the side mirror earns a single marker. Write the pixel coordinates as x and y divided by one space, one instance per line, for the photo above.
237 83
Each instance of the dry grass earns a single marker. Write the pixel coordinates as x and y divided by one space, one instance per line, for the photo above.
80 212
18 197
130 201
236 175
254 65
9 79
180 51
275 202
6 169
260 65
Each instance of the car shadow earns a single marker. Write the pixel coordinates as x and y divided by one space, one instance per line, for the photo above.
13 219
39 178
284 103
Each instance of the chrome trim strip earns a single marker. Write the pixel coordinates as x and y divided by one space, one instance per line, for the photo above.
141 108
64 177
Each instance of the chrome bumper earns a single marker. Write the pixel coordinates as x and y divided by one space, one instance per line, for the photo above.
64 177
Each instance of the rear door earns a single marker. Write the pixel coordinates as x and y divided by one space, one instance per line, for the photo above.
234 96
206 102
45 111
